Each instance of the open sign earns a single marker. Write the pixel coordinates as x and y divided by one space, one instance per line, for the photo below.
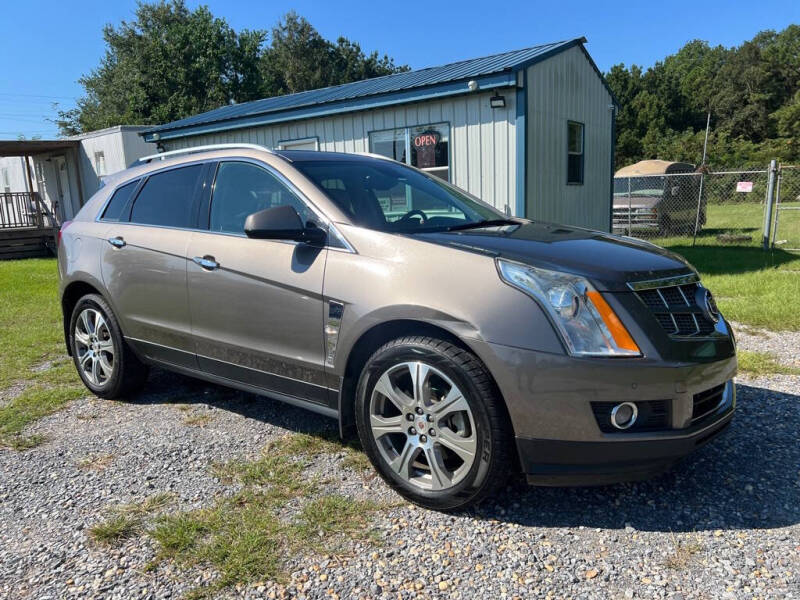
423 140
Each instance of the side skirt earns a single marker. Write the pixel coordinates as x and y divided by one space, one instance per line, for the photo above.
235 384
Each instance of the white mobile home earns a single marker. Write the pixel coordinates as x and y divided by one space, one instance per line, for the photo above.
529 131
45 182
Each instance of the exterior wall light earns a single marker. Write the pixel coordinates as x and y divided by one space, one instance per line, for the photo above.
497 101
472 85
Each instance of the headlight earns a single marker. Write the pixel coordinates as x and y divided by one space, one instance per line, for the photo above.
587 324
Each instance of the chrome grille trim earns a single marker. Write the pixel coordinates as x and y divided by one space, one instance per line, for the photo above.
664 282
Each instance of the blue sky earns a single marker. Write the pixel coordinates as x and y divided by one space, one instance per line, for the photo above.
46 46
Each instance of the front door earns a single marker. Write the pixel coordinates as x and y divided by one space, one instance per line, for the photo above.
144 263
64 200
256 305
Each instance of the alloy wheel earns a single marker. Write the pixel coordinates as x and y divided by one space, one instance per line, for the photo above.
94 346
423 426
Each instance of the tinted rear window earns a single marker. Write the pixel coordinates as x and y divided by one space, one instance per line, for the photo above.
166 198
118 201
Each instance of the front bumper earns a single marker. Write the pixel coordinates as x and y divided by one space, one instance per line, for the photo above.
549 399
620 457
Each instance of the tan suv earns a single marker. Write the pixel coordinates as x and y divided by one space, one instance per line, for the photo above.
461 344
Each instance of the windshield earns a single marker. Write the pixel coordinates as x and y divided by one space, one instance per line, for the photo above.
391 197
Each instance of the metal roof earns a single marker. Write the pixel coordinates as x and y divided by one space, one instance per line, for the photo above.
389 89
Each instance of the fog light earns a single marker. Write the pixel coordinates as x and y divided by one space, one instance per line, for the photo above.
624 415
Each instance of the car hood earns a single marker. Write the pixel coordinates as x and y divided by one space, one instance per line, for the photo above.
637 202
608 261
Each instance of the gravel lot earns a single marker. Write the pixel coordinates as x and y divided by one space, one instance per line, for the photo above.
724 524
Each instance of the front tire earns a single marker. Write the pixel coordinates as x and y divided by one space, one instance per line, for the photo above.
106 364
433 424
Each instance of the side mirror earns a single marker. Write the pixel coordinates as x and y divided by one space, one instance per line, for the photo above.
282 223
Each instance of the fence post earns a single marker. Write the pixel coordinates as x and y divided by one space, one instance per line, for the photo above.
699 206
777 208
629 206
770 202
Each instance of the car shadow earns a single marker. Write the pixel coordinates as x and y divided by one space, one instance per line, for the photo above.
748 478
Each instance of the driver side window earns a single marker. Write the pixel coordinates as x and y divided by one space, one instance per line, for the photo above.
241 189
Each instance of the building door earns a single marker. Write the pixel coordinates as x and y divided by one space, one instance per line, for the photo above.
63 204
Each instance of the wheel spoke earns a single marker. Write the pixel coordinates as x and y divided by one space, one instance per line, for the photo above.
81 337
84 318
105 366
95 370
106 346
384 425
385 387
464 447
453 402
402 464
439 476
85 358
419 377
99 323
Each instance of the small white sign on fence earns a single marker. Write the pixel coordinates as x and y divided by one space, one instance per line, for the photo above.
744 186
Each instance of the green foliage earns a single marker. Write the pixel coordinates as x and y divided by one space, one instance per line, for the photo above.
752 92
36 376
762 363
171 62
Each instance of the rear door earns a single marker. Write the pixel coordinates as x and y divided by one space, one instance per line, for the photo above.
256 305
144 261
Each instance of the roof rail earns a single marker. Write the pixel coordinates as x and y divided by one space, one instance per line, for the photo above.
209 147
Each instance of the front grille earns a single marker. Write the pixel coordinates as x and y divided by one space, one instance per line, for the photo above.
705 403
676 309
653 415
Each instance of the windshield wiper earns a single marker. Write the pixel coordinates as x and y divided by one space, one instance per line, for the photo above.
481 224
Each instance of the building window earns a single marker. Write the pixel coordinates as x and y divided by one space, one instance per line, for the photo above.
426 147
310 143
100 163
574 153
6 182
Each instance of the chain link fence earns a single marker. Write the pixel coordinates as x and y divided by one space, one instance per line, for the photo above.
719 207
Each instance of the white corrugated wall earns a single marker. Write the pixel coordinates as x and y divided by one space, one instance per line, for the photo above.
482 139
560 89
120 146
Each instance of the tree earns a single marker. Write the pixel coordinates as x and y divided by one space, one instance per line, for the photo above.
168 63
751 91
171 62
300 59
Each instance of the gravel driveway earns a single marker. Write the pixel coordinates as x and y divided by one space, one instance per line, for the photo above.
724 524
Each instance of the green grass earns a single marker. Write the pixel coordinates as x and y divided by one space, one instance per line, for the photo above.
32 353
128 520
753 287
249 536
762 363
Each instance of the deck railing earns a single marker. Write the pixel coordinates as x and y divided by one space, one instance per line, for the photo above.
24 210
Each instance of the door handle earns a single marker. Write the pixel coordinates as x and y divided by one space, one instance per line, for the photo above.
117 242
209 263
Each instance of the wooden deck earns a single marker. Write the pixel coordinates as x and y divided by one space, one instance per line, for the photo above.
28 242
27 228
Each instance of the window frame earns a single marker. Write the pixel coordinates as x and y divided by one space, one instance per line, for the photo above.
125 215
100 157
334 241
582 153
204 209
407 133
282 143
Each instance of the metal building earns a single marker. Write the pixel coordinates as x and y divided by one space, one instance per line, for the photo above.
529 131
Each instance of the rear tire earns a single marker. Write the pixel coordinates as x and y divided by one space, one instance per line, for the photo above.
433 424
106 364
